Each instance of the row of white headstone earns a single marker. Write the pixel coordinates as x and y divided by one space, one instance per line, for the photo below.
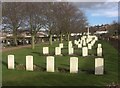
87 41
71 49
50 67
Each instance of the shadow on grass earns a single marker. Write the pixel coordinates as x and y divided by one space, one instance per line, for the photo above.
38 53
90 71
6 65
63 70
41 54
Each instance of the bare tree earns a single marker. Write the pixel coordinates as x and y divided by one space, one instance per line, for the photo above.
49 19
69 18
34 16
12 17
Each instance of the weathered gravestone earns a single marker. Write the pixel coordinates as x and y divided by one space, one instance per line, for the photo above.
99 46
99 66
29 63
70 44
10 61
79 45
89 46
99 51
50 64
84 43
73 64
84 51
57 51
61 45
45 50
70 51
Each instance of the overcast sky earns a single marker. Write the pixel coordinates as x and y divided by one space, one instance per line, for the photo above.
99 12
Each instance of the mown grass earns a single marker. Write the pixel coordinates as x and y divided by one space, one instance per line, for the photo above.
85 77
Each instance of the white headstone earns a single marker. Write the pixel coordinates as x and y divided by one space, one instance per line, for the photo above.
57 51
45 50
70 41
99 66
70 51
79 45
84 43
54 39
96 38
43 40
89 46
84 51
10 61
29 63
99 46
61 45
73 64
70 44
99 51
92 42
76 42
50 64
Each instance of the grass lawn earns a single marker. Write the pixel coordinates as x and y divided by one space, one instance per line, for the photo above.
85 77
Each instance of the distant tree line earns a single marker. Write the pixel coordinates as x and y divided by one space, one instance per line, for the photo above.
60 18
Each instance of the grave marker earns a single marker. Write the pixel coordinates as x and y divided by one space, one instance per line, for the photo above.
84 51
73 64
89 46
99 51
50 64
57 51
99 66
99 46
70 51
10 61
61 45
29 63
79 45
45 50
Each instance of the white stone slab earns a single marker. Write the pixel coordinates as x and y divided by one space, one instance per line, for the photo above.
50 64
99 66
99 51
73 64
84 51
79 45
45 50
84 43
10 61
70 41
93 42
61 45
76 42
99 45
70 44
29 63
96 38
89 46
57 51
70 51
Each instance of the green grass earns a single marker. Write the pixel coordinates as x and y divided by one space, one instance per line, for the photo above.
39 78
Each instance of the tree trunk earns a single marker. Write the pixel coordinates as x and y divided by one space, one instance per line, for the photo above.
68 36
61 38
33 42
15 39
50 39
